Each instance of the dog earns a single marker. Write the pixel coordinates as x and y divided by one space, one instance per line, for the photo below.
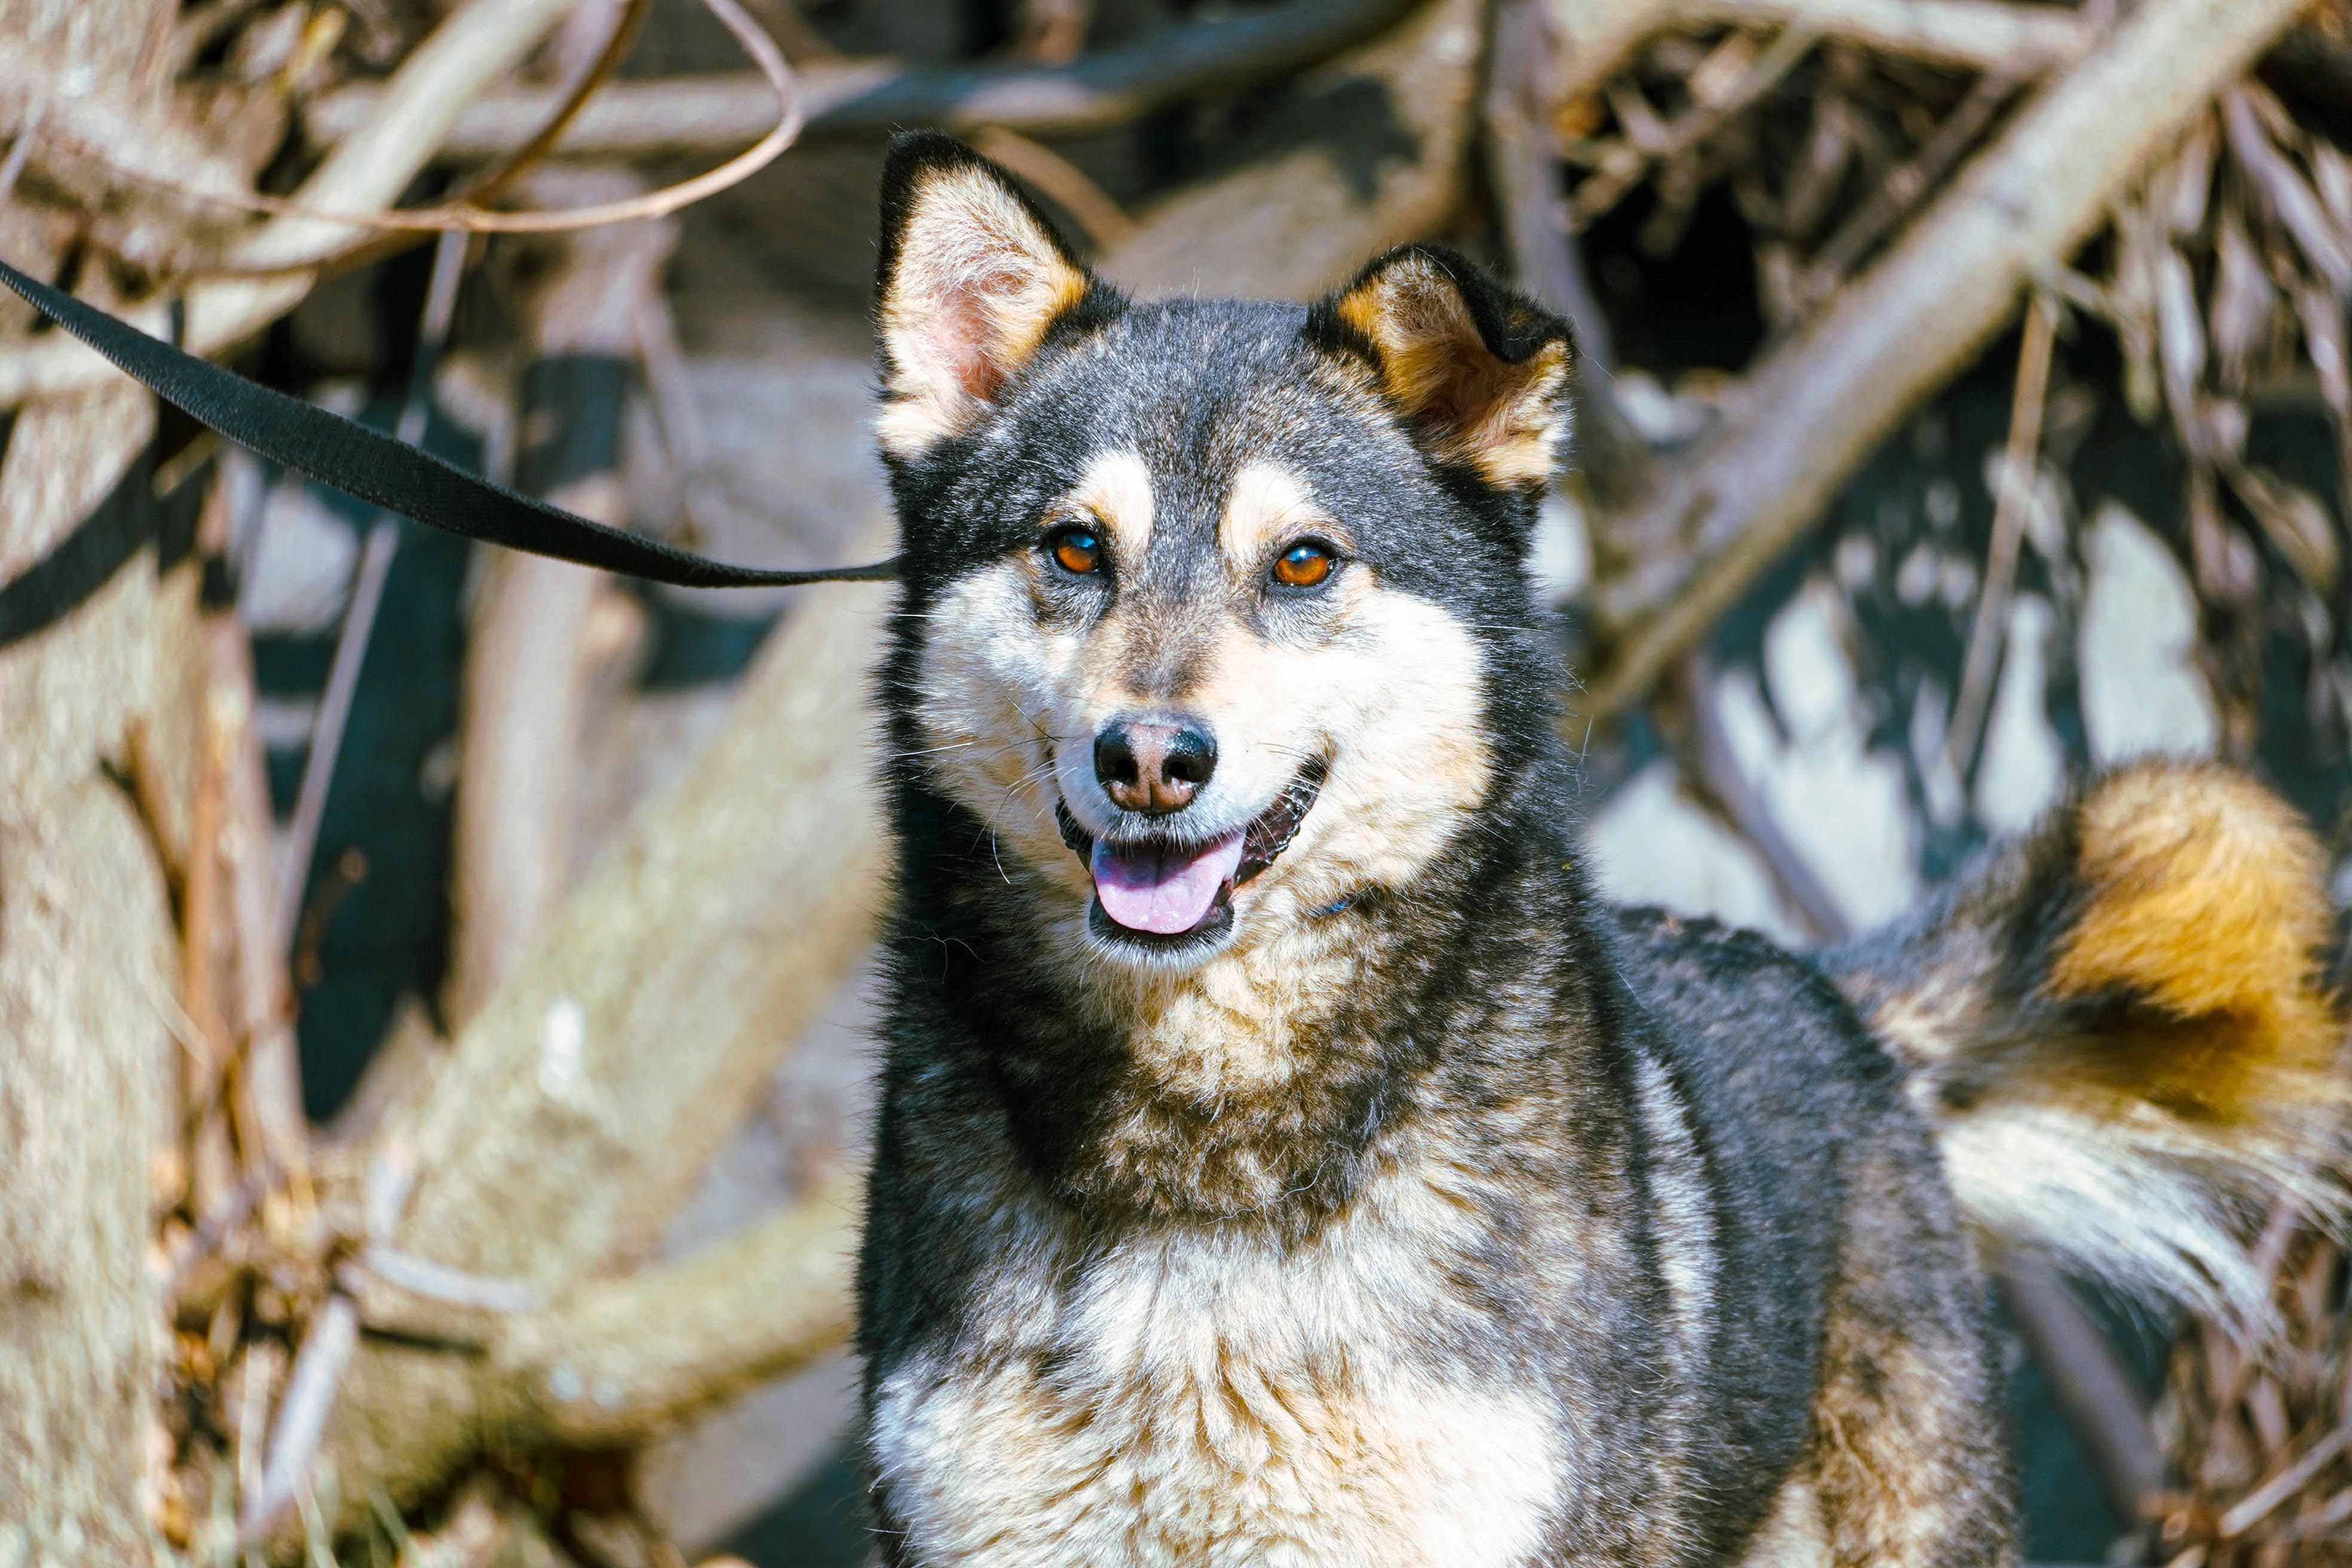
1283 1156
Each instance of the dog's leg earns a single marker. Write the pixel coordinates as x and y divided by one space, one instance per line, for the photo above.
1908 1465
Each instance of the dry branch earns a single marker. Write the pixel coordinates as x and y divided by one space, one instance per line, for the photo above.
1100 93
1595 40
1524 172
472 48
1806 418
1714 767
378 546
2010 508
630 1356
1979 35
578 1108
1523 175
526 668
1598 39
260 1005
670 117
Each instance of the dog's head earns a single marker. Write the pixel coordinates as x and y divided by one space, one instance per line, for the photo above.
1210 606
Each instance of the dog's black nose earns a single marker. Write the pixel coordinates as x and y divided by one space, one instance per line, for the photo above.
1154 768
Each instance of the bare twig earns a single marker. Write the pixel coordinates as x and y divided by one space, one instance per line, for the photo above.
1599 37
669 117
439 1282
201 920
671 395
1982 34
260 1007
2249 1511
1547 260
367 594
1720 776
2285 192
318 1369
20 151
1595 40
486 184
1526 177
2010 508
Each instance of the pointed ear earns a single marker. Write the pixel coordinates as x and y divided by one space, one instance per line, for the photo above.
1479 373
972 279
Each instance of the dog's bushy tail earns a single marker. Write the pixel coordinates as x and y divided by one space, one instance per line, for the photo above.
2122 1026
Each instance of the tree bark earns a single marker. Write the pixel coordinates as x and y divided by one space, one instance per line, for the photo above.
88 958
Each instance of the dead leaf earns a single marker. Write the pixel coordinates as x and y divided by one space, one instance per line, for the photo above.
2228 570
2242 302
2324 340
2331 175
2179 193
2180 334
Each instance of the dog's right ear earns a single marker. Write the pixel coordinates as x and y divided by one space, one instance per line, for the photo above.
973 280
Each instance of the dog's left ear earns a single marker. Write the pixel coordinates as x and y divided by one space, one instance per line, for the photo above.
972 279
1478 372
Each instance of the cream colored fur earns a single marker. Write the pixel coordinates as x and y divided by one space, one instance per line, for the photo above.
1219 1407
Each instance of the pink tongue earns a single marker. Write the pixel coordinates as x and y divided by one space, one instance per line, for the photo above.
1146 888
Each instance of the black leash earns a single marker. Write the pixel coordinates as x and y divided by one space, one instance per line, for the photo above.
374 467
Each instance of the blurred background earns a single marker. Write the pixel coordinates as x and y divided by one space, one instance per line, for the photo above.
1965 405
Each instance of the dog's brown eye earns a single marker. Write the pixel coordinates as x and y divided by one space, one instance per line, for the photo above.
1304 565
1076 551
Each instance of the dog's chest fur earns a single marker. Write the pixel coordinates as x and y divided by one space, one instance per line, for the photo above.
1184 1397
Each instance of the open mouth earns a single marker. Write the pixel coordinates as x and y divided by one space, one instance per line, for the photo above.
1161 893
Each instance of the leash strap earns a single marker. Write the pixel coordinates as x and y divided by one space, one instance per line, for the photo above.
376 469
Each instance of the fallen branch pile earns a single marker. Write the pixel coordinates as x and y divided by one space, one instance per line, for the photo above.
2262 1438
